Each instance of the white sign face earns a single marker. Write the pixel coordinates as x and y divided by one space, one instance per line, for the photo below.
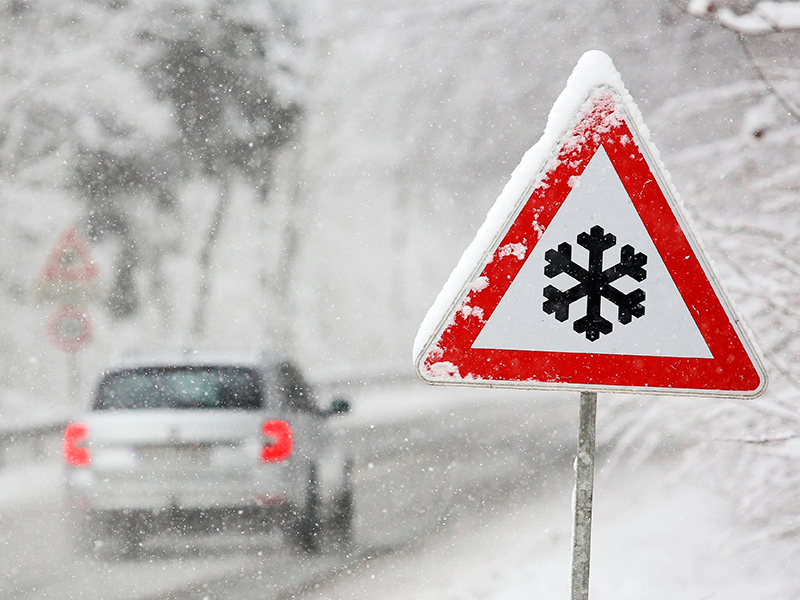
665 329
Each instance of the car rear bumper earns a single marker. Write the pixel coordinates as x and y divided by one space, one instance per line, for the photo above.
147 493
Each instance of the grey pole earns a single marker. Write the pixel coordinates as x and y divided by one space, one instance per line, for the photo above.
74 376
584 487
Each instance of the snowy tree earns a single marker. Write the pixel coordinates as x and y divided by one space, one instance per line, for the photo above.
159 95
85 124
222 68
98 128
746 182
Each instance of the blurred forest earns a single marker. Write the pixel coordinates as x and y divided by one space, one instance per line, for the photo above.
304 176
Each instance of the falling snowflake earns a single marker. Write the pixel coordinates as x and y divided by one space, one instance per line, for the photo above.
595 283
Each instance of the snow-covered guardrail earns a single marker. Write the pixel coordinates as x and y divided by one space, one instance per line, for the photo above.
30 444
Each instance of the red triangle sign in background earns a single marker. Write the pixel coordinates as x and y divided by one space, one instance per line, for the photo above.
70 260
546 333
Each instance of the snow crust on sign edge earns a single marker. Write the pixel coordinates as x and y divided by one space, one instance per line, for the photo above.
593 70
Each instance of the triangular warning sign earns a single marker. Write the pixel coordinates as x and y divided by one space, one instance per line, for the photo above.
70 261
586 273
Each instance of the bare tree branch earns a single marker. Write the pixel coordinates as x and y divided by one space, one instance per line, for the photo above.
784 102
761 441
766 17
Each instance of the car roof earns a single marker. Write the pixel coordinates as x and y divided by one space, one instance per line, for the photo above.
143 360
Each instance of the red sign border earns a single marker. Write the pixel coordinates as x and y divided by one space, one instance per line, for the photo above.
734 368
85 271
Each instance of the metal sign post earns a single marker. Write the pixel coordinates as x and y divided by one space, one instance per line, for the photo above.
74 388
584 488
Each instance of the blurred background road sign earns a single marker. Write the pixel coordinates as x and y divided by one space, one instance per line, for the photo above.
70 328
70 274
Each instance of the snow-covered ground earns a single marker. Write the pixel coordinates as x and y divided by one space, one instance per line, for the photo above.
661 528
658 533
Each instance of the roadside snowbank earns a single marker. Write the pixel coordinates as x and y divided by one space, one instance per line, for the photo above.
658 534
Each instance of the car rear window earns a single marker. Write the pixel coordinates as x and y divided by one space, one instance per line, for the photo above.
181 387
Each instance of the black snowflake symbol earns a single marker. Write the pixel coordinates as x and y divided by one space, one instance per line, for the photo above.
594 283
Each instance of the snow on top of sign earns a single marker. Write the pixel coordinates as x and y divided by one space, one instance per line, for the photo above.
594 70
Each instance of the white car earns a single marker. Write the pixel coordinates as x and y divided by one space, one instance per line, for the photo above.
198 441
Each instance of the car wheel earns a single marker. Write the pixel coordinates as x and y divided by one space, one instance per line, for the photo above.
341 523
83 532
305 529
106 536
131 538
119 537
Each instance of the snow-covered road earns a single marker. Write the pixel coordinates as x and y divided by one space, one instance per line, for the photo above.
461 495
656 535
424 458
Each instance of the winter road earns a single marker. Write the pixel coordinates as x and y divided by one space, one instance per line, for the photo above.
433 457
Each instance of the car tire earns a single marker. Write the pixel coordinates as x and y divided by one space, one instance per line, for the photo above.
130 538
341 522
83 532
106 537
305 527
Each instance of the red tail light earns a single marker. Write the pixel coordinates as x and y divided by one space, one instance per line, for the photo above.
76 455
279 445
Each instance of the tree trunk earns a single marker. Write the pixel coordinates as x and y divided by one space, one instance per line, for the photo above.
283 330
200 319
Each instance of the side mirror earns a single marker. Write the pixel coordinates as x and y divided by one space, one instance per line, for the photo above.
339 406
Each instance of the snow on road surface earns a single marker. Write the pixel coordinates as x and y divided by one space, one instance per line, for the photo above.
660 531
658 534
